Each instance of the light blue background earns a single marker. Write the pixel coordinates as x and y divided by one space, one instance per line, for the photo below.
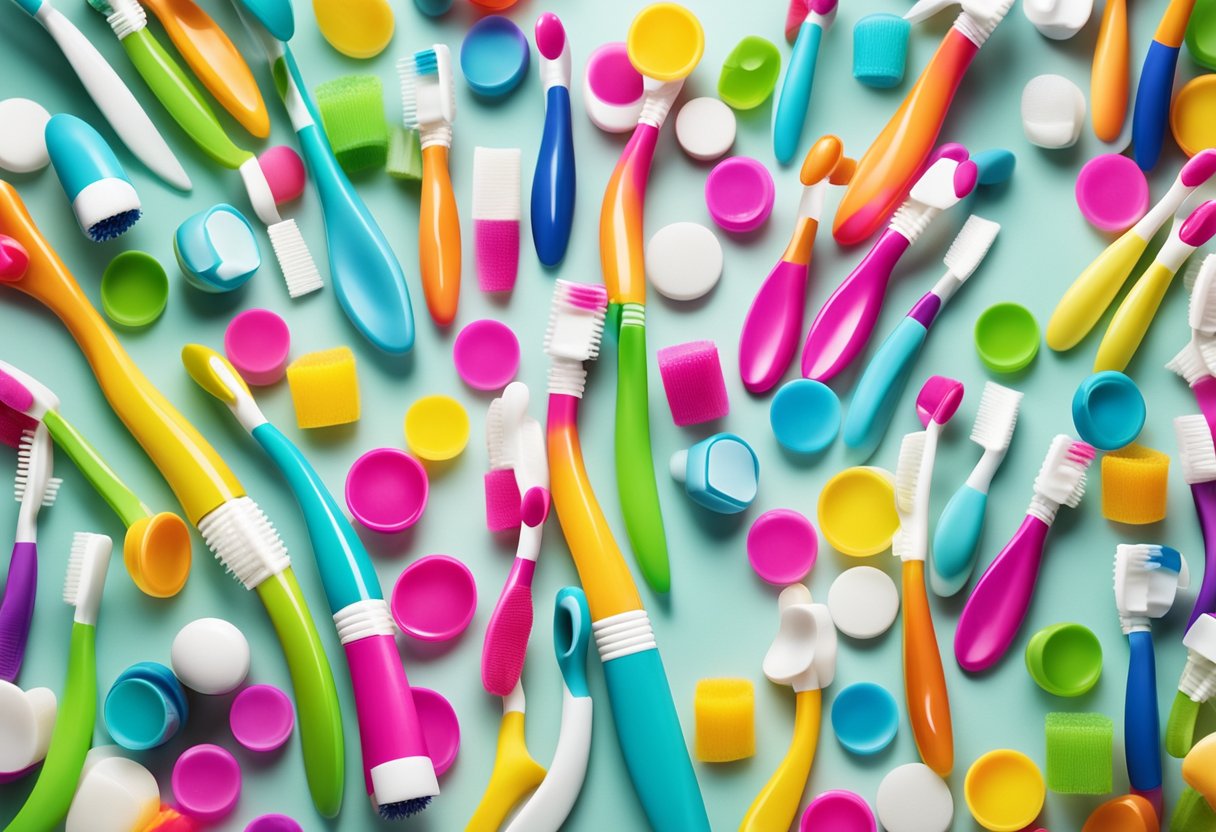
720 617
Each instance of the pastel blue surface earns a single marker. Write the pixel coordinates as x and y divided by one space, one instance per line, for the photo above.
865 718
1108 410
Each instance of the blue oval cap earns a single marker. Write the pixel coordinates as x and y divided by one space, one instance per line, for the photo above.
865 718
79 154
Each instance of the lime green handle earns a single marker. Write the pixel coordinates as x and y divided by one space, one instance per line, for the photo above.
1132 319
113 490
320 716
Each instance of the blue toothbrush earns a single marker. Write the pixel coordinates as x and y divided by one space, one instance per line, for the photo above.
794 93
553 185
1156 87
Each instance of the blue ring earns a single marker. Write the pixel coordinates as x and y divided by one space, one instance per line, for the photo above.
1108 410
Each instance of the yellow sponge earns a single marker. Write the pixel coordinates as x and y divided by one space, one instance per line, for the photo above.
1134 485
324 388
726 720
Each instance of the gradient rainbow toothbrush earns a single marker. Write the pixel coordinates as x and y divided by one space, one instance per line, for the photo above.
397 769
898 154
1151 112
553 185
806 22
647 725
665 44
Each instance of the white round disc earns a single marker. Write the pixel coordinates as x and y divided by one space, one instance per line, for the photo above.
912 798
22 135
1053 111
705 128
683 260
210 656
863 602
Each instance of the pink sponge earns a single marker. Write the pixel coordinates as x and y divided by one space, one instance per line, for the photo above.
502 500
692 378
284 171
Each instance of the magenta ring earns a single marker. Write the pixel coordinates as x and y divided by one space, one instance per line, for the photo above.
386 490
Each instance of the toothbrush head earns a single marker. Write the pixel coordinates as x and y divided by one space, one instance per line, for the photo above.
34 465
1200 225
1201 315
86 575
970 246
14 259
551 38
1062 477
212 372
428 94
905 543
938 400
1199 168
1189 364
576 321
24 401
1147 580
996 417
1196 451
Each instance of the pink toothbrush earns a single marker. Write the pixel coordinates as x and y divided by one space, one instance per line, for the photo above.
844 324
998 604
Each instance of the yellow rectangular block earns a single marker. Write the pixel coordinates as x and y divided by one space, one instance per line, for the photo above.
324 388
725 712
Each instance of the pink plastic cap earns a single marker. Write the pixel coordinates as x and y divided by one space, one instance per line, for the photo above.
1112 192
739 193
261 718
386 490
838 811
284 171
612 76
782 546
502 500
274 823
434 598
206 782
440 728
486 354
693 381
497 253
258 342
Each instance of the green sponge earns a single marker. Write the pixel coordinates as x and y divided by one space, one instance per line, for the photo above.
1079 753
352 112
404 154
1192 814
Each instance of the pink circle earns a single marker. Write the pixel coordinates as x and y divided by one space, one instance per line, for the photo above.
839 811
739 192
440 727
261 718
486 353
257 342
206 782
782 546
274 823
1112 192
386 490
612 76
284 171
434 598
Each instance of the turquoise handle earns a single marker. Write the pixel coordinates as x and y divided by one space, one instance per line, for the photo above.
956 540
571 636
794 97
80 155
649 733
879 387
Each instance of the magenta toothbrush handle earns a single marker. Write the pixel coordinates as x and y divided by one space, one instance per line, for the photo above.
1204 494
772 326
994 612
506 644
17 608
843 326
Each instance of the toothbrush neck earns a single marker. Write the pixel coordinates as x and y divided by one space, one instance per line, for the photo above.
926 309
802 241
1043 508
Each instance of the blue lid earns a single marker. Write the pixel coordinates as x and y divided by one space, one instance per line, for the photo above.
805 416
494 56
865 718
1108 410
139 714
217 249
79 154
722 473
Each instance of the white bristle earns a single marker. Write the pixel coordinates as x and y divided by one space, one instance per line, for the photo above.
428 100
1062 477
1201 314
24 474
126 17
86 574
907 470
996 417
971 246
496 178
1196 451
1188 364
295 260
245 541
1190 271
574 331
71 581
496 437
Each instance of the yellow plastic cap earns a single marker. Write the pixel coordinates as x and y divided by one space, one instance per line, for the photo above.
436 428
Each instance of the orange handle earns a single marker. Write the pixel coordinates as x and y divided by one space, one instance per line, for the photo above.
924 679
622 244
439 237
1172 28
1108 83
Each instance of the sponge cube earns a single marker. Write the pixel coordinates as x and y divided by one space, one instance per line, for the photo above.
324 388
726 720
693 381
1079 753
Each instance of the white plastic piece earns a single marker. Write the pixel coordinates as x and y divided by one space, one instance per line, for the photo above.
115 794
551 803
864 602
1058 19
803 653
23 135
683 261
1053 111
705 129
210 656
26 720
912 798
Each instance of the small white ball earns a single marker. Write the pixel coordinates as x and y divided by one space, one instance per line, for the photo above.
210 656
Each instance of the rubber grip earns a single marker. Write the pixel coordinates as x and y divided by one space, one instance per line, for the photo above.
1180 729
956 540
17 608
553 186
1141 735
794 97
1132 319
1152 107
439 237
1204 496
1089 296
924 678
879 388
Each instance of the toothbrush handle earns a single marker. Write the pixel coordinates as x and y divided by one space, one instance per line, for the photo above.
506 643
622 254
1109 79
777 803
1132 319
17 607
882 382
1142 739
1180 728
553 800
553 185
103 479
993 614
924 679
439 237
956 539
1091 293
1204 495
1152 108
794 96
773 325
844 324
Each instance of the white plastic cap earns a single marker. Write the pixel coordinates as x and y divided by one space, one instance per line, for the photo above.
912 798
1201 637
864 602
115 794
210 656
406 779
26 720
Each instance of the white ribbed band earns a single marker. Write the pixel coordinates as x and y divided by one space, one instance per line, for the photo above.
623 635
1198 678
496 178
633 314
911 221
363 619
1043 508
242 538
568 378
657 102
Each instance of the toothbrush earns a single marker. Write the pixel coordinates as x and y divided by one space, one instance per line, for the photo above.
843 326
515 773
1095 288
34 488
1147 580
1155 90
553 799
886 376
397 769
793 94
1197 457
993 614
1135 314
110 94
367 277
957 536
927 699
647 725
1196 686
48 801
774 321
891 164
803 656
1192 362
553 185
232 524
428 104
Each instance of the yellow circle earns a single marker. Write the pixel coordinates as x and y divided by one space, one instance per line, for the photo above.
436 428
1191 115
665 42
1004 790
857 511
356 28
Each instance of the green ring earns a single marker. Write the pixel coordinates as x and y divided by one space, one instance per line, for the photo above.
1006 337
134 289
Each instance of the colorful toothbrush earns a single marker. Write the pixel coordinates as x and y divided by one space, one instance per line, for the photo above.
48 802
993 614
927 700
428 105
553 184
1197 456
367 277
1193 360
774 321
397 769
1108 83
886 376
803 656
515 773
647 725
843 326
793 95
891 164
1151 112
1196 686
957 536
232 524
1095 288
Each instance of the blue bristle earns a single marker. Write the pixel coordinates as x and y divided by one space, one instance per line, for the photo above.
114 226
404 809
426 62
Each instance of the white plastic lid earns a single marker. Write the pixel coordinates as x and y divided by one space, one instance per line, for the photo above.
912 798
23 135
115 794
26 720
705 128
1058 19
210 656
1053 111
863 601
683 261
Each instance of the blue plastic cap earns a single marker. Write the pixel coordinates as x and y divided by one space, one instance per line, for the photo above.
571 635
880 49
494 56
865 718
1108 410
79 154
722 473
805 416
216 249
145 707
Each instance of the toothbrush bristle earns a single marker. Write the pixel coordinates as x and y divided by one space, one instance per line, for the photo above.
114 226
408 75
506 644
971 246
426 62
1196 451
996 417
1062 477
1201 313
576 321
496 449
86 572
907 470
1188 364
403 809
244 540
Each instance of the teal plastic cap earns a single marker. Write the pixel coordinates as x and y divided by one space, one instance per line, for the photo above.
146 707
79 154
720 473
571 636
1108 410
880 49
216 249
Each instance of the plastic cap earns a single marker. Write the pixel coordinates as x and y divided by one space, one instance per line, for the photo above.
210 656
